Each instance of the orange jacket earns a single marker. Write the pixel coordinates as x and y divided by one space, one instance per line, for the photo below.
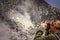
52 28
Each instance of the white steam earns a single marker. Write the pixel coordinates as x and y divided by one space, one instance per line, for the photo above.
19 18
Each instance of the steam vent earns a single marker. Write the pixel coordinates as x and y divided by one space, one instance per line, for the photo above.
20 19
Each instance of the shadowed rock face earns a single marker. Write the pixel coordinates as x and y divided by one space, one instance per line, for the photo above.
20 19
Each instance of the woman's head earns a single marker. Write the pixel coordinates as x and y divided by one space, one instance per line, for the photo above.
57 24
43 24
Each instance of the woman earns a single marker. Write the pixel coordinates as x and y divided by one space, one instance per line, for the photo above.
55 35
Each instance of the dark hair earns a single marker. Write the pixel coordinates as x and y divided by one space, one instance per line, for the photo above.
48 26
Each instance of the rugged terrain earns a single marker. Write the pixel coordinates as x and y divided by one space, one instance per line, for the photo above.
20 19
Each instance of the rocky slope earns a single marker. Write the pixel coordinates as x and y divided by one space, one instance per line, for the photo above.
20 19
